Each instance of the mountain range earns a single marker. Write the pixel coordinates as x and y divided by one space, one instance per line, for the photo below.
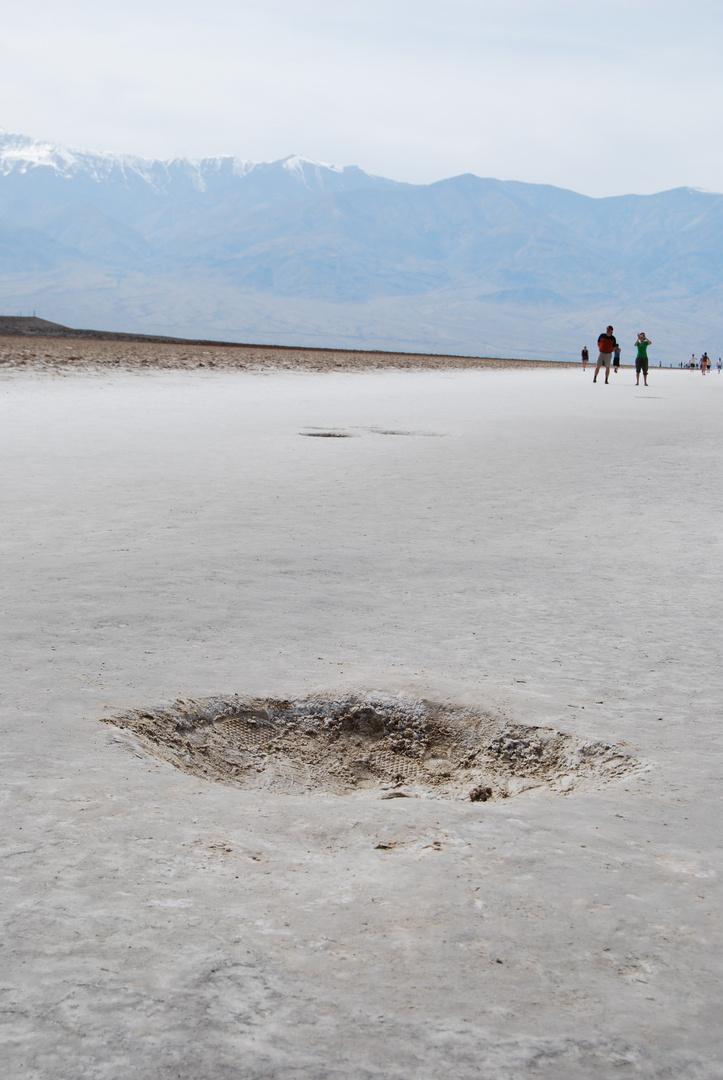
297 252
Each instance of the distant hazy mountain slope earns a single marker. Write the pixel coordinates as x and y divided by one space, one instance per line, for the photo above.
222 232
349 245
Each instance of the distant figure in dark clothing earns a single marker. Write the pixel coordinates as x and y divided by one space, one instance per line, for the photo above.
585 357
616 359
704 363
605 343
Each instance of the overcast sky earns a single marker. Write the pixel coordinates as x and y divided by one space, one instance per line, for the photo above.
603 98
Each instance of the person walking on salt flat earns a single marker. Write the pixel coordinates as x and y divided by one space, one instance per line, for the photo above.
605 343
616 358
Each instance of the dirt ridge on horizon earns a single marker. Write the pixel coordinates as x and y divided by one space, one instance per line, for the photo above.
65 354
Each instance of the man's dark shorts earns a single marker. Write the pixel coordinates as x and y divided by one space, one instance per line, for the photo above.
641 365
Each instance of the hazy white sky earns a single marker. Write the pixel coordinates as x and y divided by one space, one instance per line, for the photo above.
604 98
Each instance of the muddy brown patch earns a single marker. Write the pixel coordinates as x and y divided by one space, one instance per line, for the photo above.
398 746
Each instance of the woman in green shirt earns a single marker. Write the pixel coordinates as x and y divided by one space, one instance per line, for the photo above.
641 358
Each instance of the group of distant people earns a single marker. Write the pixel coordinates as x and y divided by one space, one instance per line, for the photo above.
609 355
704 364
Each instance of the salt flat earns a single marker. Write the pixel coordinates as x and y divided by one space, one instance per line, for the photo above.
525 543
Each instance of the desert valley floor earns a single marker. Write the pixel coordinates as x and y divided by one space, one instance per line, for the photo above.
509 548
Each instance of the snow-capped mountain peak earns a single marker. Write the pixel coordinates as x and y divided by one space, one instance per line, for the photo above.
21 154
298 163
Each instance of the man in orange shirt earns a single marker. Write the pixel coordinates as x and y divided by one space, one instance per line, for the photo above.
605 343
